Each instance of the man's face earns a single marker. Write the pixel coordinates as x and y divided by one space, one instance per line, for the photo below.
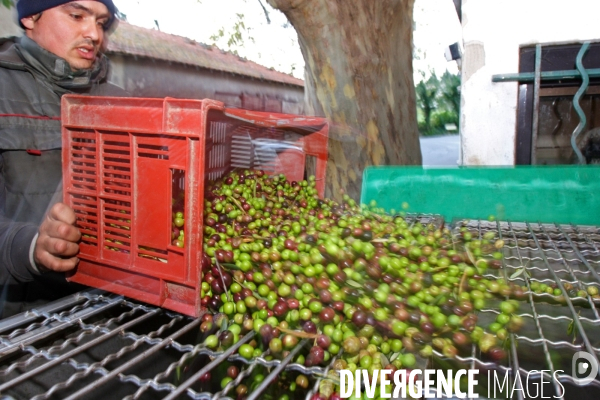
73 31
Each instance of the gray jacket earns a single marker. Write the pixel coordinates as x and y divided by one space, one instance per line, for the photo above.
32 82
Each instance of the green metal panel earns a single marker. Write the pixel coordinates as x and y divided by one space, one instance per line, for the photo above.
554 194
549 75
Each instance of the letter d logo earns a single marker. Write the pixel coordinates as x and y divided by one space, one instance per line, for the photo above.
585 368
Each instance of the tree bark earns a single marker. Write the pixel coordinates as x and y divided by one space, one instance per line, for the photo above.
359 75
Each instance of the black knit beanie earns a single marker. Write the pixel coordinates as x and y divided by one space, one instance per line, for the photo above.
26 8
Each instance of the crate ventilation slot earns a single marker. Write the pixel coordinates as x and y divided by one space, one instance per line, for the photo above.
153 151
260 153
86 209
84 162
116 167
218 154
117 226
152 253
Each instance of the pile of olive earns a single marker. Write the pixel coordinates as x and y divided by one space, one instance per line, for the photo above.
371 288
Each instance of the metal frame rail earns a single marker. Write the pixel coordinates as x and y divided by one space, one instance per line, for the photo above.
93 344
537 76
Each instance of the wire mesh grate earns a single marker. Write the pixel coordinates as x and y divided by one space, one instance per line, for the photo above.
557 264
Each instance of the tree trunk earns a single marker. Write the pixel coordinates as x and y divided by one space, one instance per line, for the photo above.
359 75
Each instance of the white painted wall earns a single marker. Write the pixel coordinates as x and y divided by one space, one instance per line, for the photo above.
493 32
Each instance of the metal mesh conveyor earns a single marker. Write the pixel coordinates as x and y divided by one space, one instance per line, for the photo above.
564 257
100 345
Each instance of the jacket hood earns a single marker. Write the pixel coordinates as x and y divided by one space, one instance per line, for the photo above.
26 54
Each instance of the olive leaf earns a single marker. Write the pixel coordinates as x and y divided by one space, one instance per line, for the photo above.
354 284
522 269
237 204
246 287
224 323
222 280
470 256
517 273
439 298
572 329
384 360
332 378
300 334
258 237
380 240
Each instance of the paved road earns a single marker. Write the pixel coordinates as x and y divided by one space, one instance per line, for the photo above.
440 150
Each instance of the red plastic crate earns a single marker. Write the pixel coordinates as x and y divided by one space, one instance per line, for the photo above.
128 163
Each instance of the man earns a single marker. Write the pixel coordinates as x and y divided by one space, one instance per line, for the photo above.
60 53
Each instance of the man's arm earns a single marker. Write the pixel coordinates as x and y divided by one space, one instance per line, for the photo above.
15 242
55 247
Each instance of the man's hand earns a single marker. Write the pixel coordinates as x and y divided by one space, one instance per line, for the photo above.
57 243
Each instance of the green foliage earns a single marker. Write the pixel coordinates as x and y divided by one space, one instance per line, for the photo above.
442 117
234 37
427 93
8 3
438 103
450 92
